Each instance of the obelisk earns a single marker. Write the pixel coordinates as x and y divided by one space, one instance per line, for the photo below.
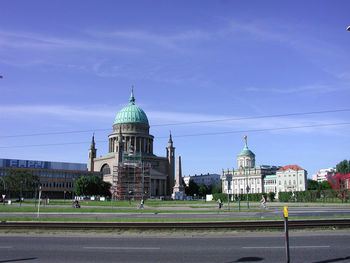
178 190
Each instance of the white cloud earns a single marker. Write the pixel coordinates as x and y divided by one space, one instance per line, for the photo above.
170 41
180 123
24 40
61 111
316 88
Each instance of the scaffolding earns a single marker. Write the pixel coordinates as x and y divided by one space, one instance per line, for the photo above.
131 179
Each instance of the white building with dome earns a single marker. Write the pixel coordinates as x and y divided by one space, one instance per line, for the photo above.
130 146
247 176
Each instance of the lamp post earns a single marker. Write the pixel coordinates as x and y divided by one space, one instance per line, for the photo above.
21 194
73 179
247 188
39 201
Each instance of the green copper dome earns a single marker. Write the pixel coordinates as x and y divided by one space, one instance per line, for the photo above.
246 150
131 113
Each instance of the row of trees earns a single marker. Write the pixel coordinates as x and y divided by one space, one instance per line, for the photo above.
201 190
314 185
24 183
19 183
92 186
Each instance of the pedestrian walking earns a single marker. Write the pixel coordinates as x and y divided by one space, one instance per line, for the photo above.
263 202
219 203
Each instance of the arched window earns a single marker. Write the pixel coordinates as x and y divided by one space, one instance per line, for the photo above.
105 169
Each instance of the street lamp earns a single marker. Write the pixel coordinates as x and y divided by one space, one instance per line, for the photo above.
348 28
228 194
73 179
21 194
247 189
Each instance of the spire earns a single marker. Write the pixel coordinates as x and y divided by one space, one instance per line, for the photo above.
170 138
245 140
132 99
93 141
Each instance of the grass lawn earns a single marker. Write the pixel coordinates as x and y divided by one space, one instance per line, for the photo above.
87 209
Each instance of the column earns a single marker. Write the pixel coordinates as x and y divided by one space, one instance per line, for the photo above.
160 187
140 149
164 184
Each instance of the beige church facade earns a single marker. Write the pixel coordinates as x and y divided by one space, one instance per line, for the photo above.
130 155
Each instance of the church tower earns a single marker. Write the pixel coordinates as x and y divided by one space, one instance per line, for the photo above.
92 154
170 154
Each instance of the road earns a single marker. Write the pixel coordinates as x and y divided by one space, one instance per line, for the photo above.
315 247
272 212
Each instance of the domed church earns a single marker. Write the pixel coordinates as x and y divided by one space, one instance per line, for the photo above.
130 165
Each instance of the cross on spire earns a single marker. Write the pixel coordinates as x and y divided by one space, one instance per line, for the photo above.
132 98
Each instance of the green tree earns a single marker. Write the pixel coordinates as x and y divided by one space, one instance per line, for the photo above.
91 186
81 186
18 181
105 186
192 189
343 167
203 189
216 189
325 185
94 186
271 196
312 185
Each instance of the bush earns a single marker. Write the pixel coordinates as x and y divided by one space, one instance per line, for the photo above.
271 196
285 196
222 196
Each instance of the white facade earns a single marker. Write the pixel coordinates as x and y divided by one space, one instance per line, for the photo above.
270 184
320 176
262 179
291 178
247 177
254 178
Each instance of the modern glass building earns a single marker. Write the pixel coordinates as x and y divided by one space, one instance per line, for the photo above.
56 178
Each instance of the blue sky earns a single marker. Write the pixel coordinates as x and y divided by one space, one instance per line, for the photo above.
69 66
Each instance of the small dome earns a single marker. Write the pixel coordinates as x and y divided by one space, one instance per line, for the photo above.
246 151
131 113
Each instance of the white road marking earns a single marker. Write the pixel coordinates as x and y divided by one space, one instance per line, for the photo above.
5 247
124 248
289 247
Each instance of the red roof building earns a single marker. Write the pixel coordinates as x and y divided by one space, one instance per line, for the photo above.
291 167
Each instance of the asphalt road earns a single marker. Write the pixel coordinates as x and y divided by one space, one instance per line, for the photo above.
272 212
315 247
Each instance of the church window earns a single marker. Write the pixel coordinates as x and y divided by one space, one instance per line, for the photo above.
105 169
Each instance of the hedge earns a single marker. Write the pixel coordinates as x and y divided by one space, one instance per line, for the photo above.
309 196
